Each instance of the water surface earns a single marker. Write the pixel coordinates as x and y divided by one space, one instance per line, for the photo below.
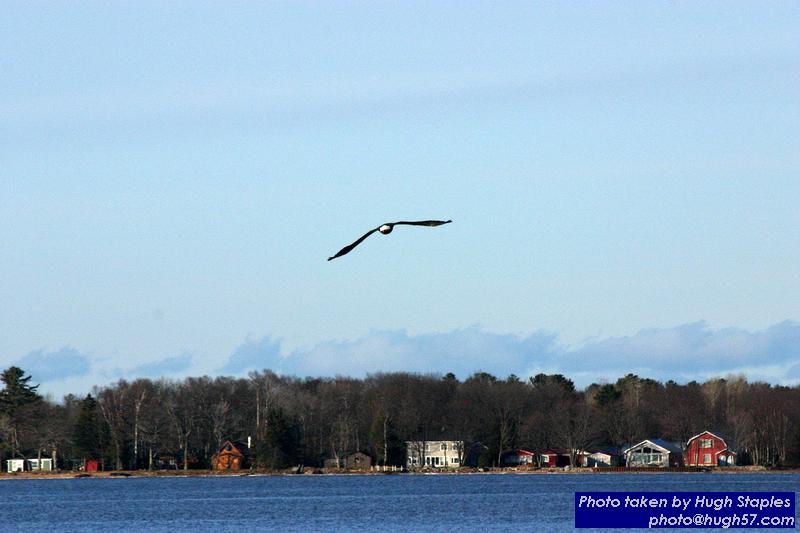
447 503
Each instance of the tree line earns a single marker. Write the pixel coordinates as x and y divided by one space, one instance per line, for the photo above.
292 421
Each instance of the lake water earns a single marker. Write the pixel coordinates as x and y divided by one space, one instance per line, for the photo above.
447 503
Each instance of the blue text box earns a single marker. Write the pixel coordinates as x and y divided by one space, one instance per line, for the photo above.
684 509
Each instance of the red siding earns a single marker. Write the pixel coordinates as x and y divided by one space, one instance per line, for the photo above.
552 458
695 454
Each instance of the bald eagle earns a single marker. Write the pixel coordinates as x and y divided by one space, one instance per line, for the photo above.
386 229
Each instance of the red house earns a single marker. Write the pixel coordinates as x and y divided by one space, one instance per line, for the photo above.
517 457
554 458
709 449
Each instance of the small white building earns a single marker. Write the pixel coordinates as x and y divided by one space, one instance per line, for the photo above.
601 458
15 465
46 464
435 454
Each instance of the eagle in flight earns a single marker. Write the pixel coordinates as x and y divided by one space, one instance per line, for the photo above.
386 229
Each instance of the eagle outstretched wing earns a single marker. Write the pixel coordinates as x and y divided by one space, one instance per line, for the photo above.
422 222
349 247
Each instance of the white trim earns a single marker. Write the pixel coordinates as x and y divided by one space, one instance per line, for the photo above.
644 441
726 450
703 433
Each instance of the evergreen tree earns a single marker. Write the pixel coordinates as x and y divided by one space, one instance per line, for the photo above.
87 433
559 380
607 394
279 448
16 392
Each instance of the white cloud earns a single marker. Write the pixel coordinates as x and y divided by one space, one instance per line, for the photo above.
688 352
254 354
56 365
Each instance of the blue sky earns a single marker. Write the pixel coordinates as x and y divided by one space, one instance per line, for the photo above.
623 179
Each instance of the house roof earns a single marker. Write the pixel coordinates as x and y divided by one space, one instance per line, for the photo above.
238 447
357 454
613 450
556 451
670 447
431 441
519 451
607 451
718 435
726 450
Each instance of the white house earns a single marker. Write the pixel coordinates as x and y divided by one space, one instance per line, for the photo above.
654 452
435 454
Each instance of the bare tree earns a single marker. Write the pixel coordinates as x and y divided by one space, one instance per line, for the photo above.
110 400
220 415
180 406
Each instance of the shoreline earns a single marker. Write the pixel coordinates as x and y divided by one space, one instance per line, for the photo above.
127 474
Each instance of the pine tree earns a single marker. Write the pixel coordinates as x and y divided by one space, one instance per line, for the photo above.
279 448
16 392
87 432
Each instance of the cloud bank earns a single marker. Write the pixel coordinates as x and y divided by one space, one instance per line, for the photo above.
54 366
688 352
258 354
683 353
170 365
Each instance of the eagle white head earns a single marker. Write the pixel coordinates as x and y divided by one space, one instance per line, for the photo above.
385 229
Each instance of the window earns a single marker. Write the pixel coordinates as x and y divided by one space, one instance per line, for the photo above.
706 443
443 447
706 458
